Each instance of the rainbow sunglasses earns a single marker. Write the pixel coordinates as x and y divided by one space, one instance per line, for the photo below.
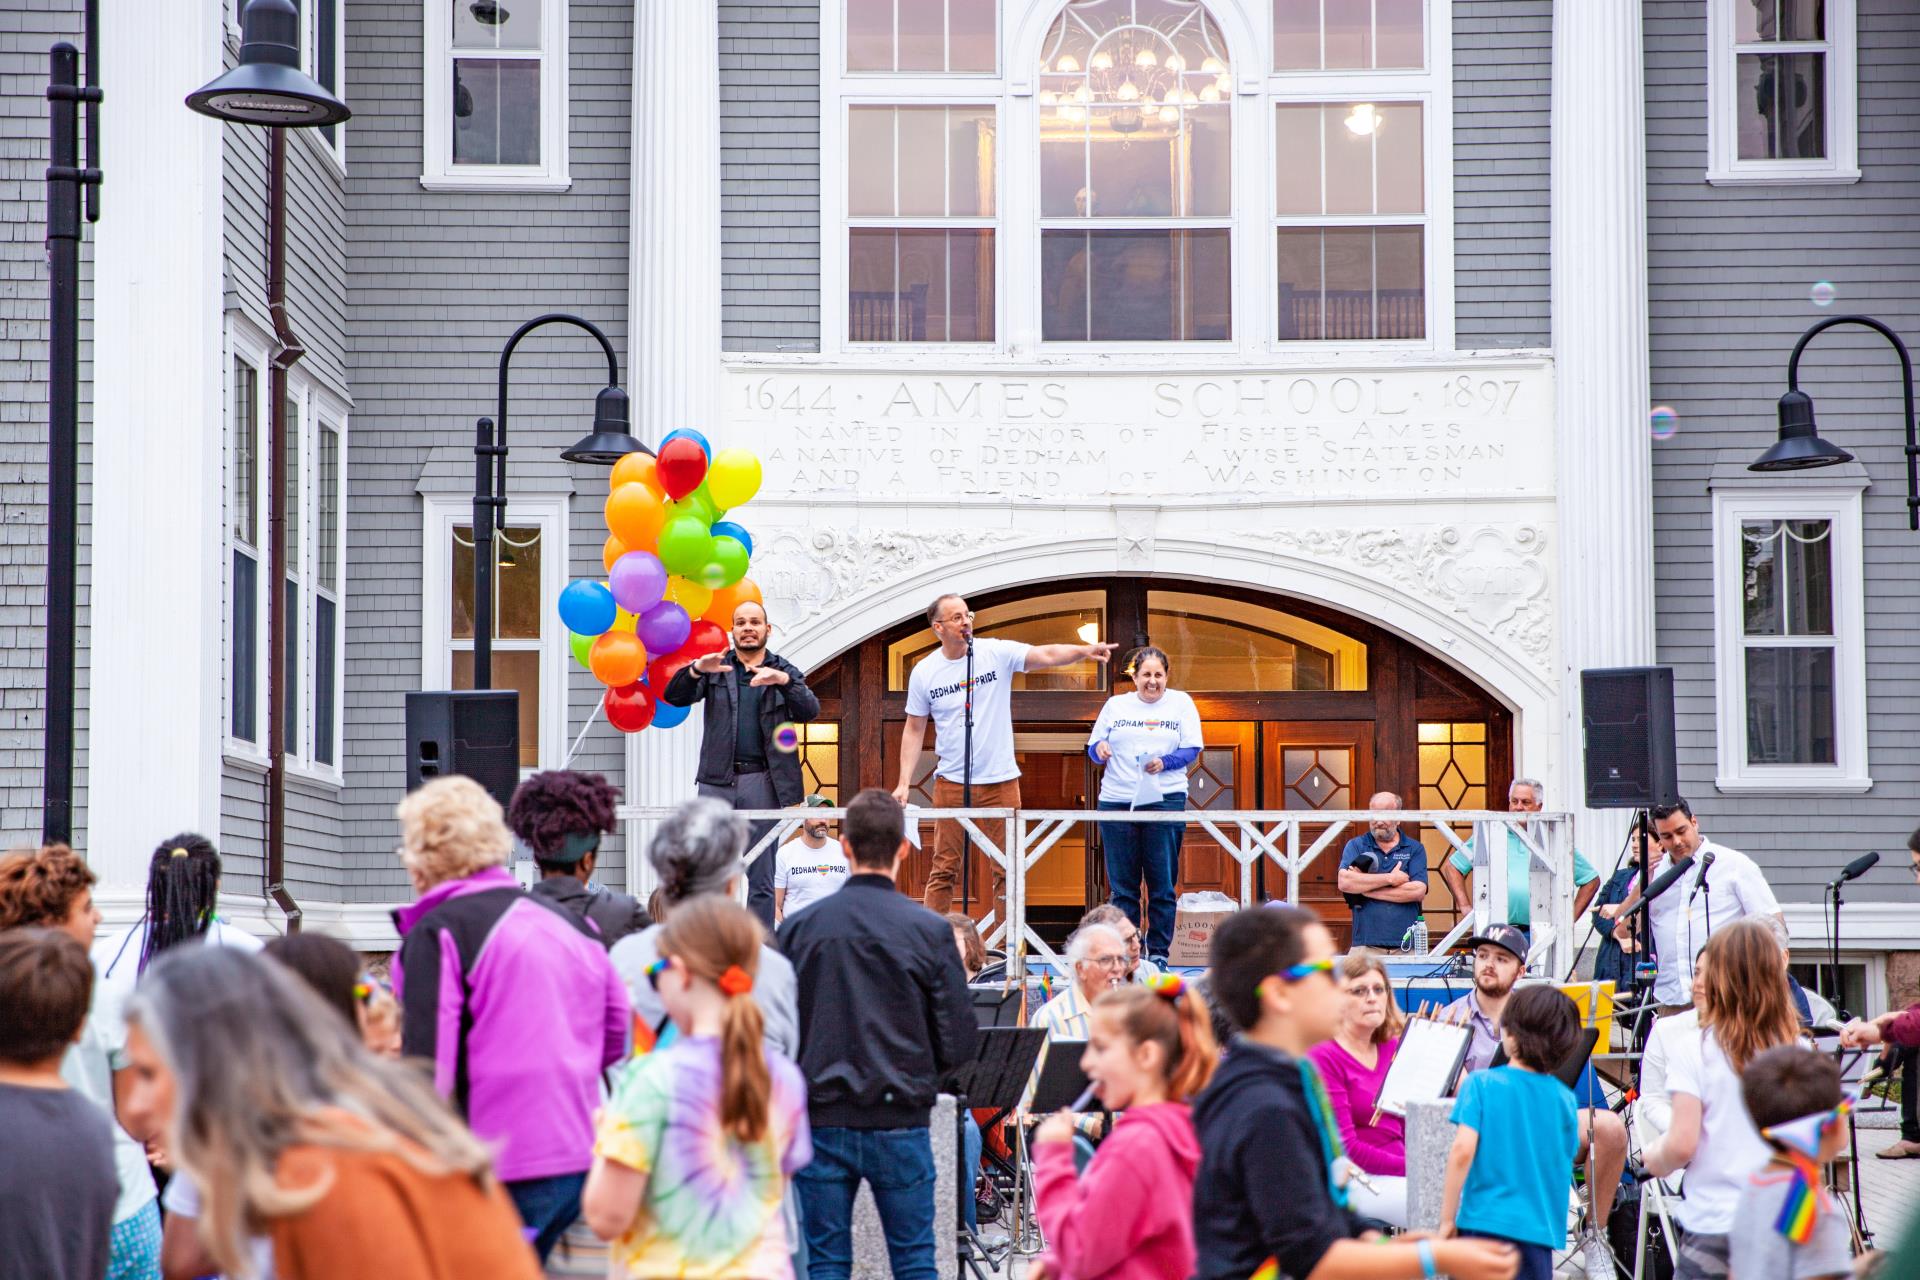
1306 969
654 970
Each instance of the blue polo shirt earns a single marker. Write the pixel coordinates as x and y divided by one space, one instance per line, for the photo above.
1385 924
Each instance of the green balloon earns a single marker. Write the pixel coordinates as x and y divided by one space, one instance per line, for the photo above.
729 563
581 646
699 503
685 545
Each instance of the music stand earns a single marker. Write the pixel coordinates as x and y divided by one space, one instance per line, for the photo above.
996 1006
1061 1080
996 1079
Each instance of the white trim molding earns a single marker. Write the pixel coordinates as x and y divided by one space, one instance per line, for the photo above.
438 172
1841 163
1840 505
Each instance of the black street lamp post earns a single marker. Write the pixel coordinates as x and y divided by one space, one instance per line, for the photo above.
1800 447
610 440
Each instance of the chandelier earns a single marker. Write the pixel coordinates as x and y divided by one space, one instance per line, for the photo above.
1126 64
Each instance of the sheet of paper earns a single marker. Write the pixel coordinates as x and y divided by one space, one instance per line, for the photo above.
913 825
1429 1055
1146 792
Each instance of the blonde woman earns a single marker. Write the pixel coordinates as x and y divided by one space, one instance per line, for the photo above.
1354 1065
515 1003
345 1163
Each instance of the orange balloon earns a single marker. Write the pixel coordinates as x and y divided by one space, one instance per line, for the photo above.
617 658
612 551
727 599
634 515
635 468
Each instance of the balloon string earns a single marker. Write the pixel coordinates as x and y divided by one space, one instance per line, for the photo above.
591 717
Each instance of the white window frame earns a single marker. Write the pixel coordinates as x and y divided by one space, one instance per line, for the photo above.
437 171
1842 161
549 513
249 344
325 415
336 150
1841 505
1248 28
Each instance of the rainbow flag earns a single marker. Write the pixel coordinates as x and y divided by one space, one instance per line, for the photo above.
1046 986
1800 1142
1269 1270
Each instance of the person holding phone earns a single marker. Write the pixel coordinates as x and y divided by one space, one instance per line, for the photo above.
1146 740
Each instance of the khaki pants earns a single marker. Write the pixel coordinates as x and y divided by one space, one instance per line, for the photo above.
950 842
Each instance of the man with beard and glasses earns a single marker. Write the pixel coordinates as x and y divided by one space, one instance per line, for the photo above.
1499 958
1383 873
811 865
749 693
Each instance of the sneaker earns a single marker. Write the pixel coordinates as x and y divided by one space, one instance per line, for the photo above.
1905 1149
1597 1257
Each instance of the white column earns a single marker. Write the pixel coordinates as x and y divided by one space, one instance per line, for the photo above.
155 700
1601 439
674 311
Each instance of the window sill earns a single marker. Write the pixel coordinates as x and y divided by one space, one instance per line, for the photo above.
241 756
1781 177
1793 785
318 774
505 183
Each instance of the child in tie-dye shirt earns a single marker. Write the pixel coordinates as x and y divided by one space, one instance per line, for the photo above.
699 1139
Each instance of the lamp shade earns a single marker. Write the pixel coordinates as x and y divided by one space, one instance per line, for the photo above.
268 87
611 438
1799 447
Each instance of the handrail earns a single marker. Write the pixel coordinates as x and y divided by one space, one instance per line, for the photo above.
1247 836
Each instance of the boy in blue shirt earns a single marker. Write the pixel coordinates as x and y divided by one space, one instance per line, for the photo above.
1511 1166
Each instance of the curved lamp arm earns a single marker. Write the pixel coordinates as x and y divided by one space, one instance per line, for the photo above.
1906 378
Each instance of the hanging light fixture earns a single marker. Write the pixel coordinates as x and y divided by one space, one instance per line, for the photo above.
1364 120
488 13
267 86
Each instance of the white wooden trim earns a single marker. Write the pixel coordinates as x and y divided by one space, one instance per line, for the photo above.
244 341
1849 774
437 170
1842 162
549 512
335 152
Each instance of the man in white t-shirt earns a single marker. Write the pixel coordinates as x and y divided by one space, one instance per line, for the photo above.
937 689
808 867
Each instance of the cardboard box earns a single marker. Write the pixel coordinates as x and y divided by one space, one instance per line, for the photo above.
1195 919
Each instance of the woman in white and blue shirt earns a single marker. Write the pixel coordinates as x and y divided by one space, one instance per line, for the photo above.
1147 740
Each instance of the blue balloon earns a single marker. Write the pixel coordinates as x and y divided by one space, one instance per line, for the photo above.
692 435
666 715
587 608
732 530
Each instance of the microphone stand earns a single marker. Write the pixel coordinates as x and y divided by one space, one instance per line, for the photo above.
1853 1133
1833 954
966 786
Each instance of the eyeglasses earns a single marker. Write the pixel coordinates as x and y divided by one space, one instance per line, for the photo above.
1306 969
655 969
1108 962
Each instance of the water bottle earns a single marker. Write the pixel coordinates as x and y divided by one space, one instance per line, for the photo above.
1419 932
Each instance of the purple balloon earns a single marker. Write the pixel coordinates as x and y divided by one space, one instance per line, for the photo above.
663 628
639 581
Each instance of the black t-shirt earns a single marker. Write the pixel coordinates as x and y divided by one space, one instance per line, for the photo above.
57 1184
749 740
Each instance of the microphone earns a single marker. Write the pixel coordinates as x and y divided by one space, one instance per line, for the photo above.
1706 862
1666 879
1855 869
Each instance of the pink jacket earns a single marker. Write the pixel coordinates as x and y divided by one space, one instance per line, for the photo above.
1131 1216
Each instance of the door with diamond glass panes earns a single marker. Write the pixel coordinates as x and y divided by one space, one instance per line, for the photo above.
1323 765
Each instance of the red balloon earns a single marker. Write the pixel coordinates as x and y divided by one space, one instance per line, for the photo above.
629 708
703 639
665 667
681 466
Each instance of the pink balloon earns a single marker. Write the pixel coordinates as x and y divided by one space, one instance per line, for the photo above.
639 581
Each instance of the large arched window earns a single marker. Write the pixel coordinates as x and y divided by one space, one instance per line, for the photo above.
1136 143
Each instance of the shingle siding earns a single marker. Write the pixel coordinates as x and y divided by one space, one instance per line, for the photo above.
770 175
28 29
436 282
1729 280
1502 95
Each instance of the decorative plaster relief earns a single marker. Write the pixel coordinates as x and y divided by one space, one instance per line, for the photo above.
808 572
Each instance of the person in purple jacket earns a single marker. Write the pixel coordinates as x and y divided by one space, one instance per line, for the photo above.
512 1000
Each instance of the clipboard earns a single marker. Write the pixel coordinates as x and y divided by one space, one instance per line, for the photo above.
1426 1066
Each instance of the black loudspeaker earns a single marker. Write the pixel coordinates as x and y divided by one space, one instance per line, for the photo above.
1627 717
475 732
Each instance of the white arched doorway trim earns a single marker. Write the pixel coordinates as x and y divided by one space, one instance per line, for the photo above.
1497 668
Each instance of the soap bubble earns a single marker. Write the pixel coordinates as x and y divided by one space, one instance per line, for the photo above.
1822 294
1664 422
786 737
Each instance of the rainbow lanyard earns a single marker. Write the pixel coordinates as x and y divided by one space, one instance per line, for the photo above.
1328 1127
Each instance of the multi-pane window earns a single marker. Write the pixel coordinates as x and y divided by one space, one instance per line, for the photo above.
1350 200
1136 193
326 591
920 248
290 673
1781 80
496 94
1348 35
243 536
921 36
521 631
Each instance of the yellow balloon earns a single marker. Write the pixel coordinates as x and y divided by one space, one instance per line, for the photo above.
689 595
733 477
622 620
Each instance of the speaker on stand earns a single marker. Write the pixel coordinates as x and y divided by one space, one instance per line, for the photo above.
1627 717
473 732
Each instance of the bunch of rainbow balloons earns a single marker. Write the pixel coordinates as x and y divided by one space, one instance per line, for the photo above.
676 571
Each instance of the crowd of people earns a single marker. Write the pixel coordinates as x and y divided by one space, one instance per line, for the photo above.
709 1096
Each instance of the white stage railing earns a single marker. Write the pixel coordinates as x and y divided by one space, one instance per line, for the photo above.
1290 840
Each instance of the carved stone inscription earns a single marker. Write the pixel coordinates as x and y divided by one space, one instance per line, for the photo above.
1440 431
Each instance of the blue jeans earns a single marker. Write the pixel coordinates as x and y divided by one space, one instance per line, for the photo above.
1149 851
1536 1260
970 1144
547 1207
898 1165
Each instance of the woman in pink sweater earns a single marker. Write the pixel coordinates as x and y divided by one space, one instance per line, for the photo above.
1354 1066
1149 1049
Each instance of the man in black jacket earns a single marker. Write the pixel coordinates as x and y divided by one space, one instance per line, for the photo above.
884 1018
749 693
561 815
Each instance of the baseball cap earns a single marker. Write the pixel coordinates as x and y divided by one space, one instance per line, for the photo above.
818 801
1506 937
